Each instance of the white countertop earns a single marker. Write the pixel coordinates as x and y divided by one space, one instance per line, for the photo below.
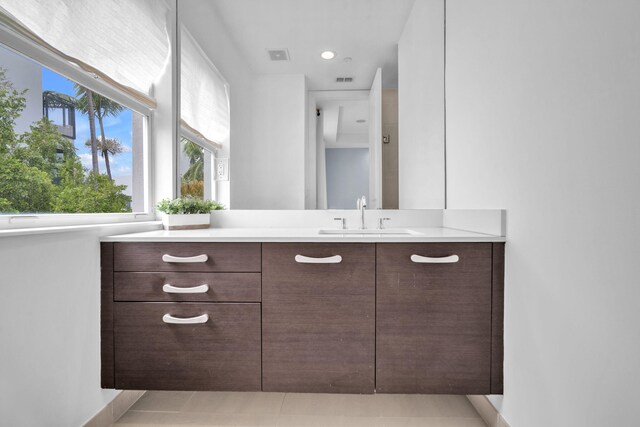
419 234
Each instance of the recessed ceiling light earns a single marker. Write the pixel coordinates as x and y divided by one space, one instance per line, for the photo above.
347 59
328 54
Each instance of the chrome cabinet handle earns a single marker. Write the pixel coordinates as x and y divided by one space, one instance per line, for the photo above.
435 260
336 259
184 259
167 318
170 289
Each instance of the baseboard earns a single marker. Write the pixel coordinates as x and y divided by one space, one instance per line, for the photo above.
487 411
115 409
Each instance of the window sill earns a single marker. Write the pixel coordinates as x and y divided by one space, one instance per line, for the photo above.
116 227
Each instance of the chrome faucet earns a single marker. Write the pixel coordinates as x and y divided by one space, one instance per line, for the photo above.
361 204
343 223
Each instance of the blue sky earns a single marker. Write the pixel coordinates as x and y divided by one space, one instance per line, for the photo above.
118 127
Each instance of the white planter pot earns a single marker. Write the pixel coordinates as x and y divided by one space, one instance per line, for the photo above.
185 221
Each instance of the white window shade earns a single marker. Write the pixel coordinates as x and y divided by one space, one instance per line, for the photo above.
204 94
123 42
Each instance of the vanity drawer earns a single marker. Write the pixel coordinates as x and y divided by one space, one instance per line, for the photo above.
214 257
204 287
221 354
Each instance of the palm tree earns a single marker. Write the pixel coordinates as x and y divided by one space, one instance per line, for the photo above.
85 104
105 107
195 154
107 146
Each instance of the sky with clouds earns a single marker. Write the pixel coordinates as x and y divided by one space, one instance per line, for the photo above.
118 127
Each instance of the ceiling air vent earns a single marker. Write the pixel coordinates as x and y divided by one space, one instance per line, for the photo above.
344 79
278 54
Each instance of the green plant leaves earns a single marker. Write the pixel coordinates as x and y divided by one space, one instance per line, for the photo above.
188 205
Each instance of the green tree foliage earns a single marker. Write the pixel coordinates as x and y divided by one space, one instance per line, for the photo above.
40 170
43 147
12 102
5 206
95 193
25 188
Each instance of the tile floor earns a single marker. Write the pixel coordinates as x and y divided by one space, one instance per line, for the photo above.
166 408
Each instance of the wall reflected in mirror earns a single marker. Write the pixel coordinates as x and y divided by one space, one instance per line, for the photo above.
314 133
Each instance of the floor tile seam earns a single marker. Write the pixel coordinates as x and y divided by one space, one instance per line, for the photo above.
186 403
284 396
160 411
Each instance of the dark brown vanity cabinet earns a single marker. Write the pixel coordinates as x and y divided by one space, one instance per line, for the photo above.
303 317
221 354
318 317
181 316
436 318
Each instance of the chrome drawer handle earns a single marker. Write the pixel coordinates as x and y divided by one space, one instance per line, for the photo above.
435 260
167 318
336 259
184 259
170 289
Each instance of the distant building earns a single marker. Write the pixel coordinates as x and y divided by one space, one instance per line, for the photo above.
61 110
24 74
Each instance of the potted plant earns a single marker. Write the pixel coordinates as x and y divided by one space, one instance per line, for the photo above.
187 213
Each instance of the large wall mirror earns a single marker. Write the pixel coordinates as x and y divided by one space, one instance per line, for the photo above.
328 101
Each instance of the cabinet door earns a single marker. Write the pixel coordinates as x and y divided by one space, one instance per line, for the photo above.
433 319
221 354
318 319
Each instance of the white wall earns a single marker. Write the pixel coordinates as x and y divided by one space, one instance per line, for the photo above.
421 107
24 74
273 164
347 176
50 328
543 108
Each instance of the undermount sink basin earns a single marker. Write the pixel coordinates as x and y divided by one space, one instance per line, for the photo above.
386 231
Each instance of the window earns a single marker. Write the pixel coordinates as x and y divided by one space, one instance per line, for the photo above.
195 173
204 94
81 60
65 148
205 120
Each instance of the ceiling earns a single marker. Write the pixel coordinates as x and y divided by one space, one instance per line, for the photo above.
365 30
345 121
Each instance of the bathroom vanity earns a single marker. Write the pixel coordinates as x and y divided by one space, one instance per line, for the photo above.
298 311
